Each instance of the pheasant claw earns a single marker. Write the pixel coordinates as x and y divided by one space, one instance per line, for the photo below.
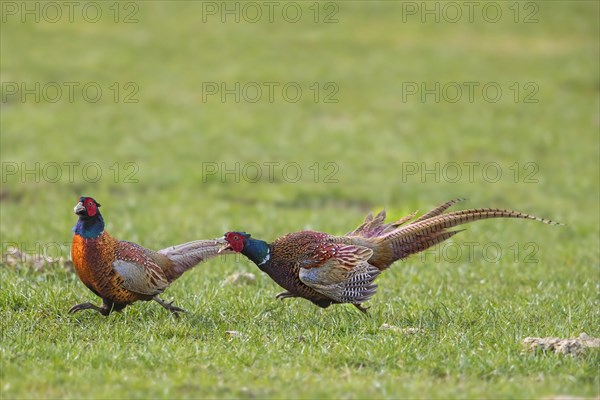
285 295
89 306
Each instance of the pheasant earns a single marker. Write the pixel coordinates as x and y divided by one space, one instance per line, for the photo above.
123 272
327 269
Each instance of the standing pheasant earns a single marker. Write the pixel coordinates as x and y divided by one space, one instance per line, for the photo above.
123 272
327 269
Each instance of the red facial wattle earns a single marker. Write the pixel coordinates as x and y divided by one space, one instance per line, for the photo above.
235 240
90 207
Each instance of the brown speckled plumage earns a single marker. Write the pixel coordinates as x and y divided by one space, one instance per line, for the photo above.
327 269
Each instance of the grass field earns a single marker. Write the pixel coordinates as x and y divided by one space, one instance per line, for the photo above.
173 156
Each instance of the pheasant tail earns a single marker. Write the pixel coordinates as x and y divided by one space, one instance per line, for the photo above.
431 229
185 256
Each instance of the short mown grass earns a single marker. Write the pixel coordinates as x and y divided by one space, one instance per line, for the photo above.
460 318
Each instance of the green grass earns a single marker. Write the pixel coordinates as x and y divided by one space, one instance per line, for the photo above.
472 313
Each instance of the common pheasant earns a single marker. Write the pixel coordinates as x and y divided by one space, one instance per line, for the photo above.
327 269
123 272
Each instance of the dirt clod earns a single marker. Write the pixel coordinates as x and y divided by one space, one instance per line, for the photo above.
239 278
408 331
572 347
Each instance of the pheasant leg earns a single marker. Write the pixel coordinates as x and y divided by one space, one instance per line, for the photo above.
361 308
169 306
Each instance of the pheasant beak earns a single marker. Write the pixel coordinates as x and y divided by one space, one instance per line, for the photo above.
80 209
226 247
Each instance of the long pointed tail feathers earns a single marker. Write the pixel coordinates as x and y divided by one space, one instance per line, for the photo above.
431 229
187 255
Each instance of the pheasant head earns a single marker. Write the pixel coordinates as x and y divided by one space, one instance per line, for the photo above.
90 224
241 242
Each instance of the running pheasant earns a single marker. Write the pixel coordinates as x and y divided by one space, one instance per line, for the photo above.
327 269
123 272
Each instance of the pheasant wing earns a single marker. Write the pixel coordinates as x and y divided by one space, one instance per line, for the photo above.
376 226
341 272
138 271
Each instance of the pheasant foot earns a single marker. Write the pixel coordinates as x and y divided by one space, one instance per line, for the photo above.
169 306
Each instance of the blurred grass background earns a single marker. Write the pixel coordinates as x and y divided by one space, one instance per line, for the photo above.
370 135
